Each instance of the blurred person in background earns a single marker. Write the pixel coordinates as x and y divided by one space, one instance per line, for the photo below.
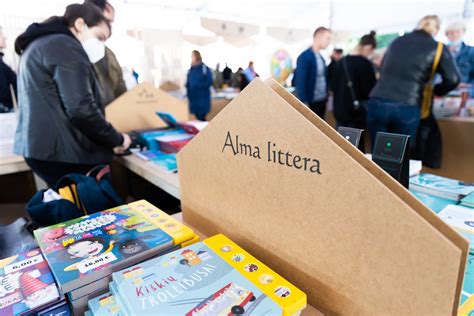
218 78
397 98
311 79
463 54
250 73
7 80
227 75
198 87
62 128
354 78
239 79
108 70
337 54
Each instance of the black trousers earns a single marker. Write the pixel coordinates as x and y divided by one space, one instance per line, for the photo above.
319 107
51 171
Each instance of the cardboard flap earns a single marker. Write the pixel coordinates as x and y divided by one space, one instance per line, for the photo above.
275 178
136 108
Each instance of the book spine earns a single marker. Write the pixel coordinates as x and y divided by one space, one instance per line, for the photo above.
286 295
120 298
177 230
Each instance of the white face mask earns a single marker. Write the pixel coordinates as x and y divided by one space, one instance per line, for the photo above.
95 49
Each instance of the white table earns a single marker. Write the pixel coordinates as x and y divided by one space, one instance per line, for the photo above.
12 164
165 180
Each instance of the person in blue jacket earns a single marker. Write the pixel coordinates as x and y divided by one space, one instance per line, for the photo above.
311 80
198 86
462 53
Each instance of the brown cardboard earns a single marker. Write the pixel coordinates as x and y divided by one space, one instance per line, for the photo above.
136 108
351 237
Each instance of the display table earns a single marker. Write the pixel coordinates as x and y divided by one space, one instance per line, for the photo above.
458 149
308 311
167 181
12 164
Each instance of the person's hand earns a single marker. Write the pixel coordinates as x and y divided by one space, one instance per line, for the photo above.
127 141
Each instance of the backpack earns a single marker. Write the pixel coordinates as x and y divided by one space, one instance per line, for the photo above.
81 195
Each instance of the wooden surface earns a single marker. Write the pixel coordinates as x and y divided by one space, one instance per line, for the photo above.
167 181
458 149
308 311
12 164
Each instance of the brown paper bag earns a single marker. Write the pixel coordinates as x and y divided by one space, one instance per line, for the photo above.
278 180
136 108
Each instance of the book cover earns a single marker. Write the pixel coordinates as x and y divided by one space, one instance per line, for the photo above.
215 277
435 203
148 155
26 284
180 232
441 186
468 200
462 219
104 305
59 309
167 161
91 247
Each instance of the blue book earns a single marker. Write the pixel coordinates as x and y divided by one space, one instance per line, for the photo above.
436 204
167 161
60 309
91 247
440 186
196 280
105 305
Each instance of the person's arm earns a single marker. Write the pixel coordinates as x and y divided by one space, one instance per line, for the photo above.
115 72
369 80
449 73
73 79
301 78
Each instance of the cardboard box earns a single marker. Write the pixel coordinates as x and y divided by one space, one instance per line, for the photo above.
278 180
137 108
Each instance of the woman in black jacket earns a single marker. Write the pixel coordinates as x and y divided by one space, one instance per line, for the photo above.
396 100
62 127
354 78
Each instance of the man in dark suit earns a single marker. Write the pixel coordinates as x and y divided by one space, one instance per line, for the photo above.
311 78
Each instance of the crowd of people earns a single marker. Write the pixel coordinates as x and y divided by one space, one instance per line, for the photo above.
67 75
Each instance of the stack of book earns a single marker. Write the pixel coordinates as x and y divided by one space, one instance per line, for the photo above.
213 277
27 287
468 201
441 187
84 252
462 219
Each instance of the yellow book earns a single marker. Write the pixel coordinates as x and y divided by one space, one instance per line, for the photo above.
177 230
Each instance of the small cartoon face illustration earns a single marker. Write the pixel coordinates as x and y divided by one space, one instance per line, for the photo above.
238 257
226 249
282 291
265 279
41 296
53 235
252 267
85 248
131 247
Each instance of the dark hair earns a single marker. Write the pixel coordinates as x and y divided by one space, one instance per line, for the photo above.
321 29
368 39
102 4
90 13
198 56
338 50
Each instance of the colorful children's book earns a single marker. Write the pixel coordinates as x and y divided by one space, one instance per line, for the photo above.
91 247
26 284
167 161
213 277
104 305
462 219
440 186
59 309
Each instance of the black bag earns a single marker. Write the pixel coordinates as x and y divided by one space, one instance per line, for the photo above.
91 193
429 144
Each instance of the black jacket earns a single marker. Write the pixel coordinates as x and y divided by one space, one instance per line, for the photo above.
362 74
61 117
406 69
7 79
